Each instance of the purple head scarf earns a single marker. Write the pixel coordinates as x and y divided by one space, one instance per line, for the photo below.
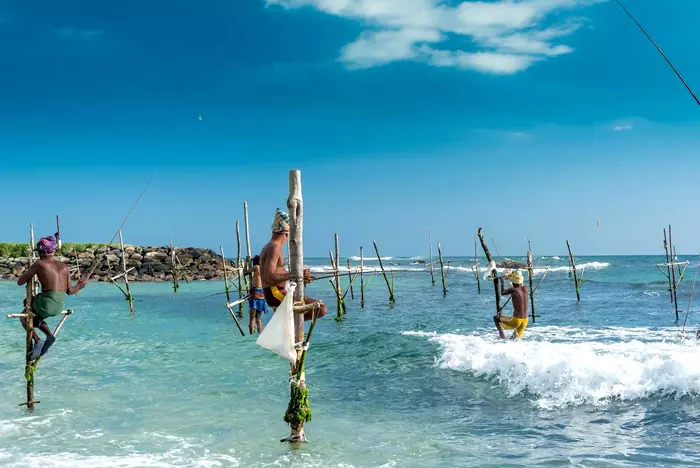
46 245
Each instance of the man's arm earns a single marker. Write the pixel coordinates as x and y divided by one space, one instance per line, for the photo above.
504 292
270 268
27 275
74 289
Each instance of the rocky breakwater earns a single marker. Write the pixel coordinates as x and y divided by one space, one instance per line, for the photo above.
145 264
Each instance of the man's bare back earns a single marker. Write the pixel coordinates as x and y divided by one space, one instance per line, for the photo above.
272 268
520 298
52 274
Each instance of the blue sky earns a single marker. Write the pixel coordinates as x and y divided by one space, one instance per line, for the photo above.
530 118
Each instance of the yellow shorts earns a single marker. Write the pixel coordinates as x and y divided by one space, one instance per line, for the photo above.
514 323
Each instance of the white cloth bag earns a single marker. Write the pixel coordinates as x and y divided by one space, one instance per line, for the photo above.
278 334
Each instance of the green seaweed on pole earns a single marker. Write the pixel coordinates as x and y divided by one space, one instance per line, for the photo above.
577 281
392 300
173 266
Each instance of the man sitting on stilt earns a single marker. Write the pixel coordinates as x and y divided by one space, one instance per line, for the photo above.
55 283
272 270
520 299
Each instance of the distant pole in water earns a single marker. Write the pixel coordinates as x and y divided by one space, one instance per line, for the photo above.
668 267
226 289
494 273
577 283
362 280
673 274
129 297
352 293
239 266
442 271
338 291
476 268
430 242
173 266
531 277
248 258
668 61
391 290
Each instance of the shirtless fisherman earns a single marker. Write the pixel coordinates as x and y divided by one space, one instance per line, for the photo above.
272 270
519 297
55 283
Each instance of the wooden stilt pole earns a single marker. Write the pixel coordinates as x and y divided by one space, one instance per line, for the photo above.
668 268
476 269
239 265
248 258
129 297
531 277
430 242
391 290
352 293
30 293
336 268
298 411
173 267
674 286
494 273
572 262
223 258
362 279
442 271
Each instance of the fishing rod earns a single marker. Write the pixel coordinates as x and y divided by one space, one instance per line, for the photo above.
668 61
92 270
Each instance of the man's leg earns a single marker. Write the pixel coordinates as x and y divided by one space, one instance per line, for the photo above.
499 326
258 319
310 315
24 324
251 322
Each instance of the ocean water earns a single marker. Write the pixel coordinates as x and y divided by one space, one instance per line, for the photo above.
422 383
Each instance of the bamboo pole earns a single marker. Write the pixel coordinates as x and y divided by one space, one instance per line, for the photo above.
352 293
239 265
30 293
336 265
572 262
673 274
362 279
531 277
476 269
494 273
391 290
59 242
173 267
129 297
430 242
248 258
668 268
442 271
223 259
298 411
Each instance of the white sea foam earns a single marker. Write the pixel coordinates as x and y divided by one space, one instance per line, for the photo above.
369 259
568 367
556 258
455 268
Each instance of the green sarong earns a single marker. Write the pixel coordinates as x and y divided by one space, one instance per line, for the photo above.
49 303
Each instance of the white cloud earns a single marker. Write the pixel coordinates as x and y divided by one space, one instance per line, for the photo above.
505 36
622 127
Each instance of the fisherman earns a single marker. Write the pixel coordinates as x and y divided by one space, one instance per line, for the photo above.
257 298
55 283
519 295
272 270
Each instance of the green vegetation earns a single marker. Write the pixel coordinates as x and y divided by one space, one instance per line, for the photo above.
14 250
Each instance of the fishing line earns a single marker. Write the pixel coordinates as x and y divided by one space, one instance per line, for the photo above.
678 74
120 226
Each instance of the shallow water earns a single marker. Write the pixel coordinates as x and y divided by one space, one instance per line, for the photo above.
603 382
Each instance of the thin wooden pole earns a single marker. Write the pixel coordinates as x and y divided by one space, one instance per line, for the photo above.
223 259
673 274
476 269
129 297
336 267
668 268
239 265
30 293
494 273
442 271
173 259
248 258
352 293
362 280
59 242
531 277
298 411
572 262
391 290
430 242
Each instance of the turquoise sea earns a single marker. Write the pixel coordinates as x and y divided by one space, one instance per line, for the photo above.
422 383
